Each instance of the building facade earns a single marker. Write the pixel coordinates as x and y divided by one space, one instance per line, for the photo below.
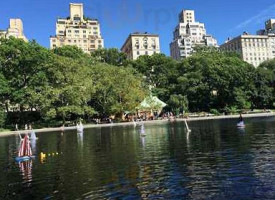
188 34
78 31
15 30
254 49
138 44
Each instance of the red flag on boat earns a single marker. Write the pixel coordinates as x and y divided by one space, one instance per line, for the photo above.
25 147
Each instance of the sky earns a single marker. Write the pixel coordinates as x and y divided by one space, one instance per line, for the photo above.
119 18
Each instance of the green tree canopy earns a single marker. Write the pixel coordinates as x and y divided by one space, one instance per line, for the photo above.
110 56
117 89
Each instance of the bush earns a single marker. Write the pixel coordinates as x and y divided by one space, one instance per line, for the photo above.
215 112
231 110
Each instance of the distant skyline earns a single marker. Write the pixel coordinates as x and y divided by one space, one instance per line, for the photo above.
119 18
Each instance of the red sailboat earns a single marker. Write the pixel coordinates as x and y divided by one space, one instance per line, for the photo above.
25 151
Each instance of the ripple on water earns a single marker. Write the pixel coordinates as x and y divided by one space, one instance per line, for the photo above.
216 161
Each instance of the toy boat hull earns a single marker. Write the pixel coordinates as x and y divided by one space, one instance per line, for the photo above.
23 159
241 125
80 130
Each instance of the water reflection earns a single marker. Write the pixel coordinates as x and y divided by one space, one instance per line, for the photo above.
80 138
33 139
26 171
214 161
143 142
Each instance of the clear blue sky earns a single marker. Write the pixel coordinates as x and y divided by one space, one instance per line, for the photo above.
118 18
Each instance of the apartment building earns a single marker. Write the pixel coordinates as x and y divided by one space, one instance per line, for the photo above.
187 34
77 30
15 30
138 44
254 49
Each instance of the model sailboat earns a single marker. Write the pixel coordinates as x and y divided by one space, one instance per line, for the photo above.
79 127
25 151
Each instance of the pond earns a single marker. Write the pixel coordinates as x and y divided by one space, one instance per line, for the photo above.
215 161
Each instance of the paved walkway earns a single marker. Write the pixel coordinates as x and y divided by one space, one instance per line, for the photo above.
131 123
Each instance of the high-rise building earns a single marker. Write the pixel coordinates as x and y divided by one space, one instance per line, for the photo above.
77 30
187 34
15 30
138 44
254 49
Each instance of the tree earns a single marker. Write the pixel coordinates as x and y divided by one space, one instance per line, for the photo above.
110 56
2 117
178 103
4 91
71 88
116 90
206 73
160 72
24 68
70 52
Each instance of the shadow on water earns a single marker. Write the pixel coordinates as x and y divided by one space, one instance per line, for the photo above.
216 160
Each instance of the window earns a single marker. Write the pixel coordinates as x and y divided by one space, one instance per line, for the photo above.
92 41
76 31
84 31
76 18
137 52
146 52
84 41
61 22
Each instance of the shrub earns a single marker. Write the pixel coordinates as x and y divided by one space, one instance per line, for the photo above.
214 111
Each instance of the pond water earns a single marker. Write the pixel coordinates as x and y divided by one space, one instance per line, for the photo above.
215 161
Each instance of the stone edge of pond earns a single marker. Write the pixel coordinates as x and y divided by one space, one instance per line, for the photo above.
2 134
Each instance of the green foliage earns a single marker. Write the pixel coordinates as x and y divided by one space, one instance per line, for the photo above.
116 89
71 87
214 111
67 84
205 72
160 72
64 83
231 110
70 52
23 66
178 103
110 56
2 117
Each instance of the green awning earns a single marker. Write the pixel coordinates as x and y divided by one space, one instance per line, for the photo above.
151 103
